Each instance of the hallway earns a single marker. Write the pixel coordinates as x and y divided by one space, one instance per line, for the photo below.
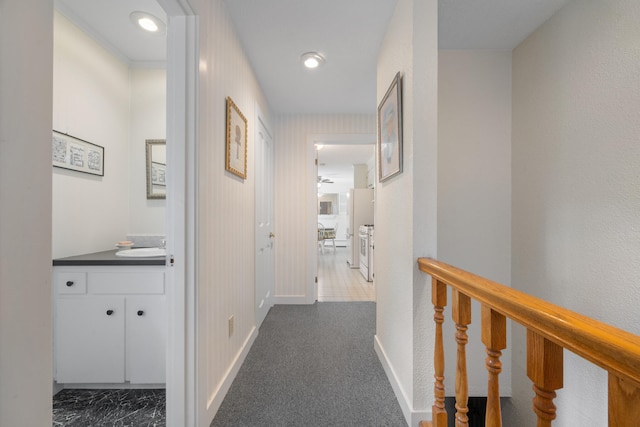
338 282
313 365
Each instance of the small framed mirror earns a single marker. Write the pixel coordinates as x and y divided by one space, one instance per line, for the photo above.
156 169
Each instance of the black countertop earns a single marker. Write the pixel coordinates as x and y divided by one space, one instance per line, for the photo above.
107 258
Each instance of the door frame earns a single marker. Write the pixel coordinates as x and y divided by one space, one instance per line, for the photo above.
262 119
182 112
312 199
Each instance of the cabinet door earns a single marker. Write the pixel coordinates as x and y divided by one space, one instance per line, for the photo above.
146 332
90 340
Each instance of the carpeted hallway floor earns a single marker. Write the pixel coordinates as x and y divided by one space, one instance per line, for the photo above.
313 365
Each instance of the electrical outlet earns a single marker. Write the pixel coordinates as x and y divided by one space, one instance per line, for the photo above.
230 326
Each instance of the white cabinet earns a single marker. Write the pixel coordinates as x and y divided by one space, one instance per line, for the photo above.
110 324
89 340
145 341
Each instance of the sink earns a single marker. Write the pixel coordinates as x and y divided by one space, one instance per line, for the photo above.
142 252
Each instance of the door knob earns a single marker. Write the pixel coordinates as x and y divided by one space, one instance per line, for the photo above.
271 235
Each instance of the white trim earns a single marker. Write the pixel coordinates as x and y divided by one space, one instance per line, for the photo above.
264 120
182 78
291 300
343 138
412 417
311 198
214 404
108 386
261 119
176 7
312 222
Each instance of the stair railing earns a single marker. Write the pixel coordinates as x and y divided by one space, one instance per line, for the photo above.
550 330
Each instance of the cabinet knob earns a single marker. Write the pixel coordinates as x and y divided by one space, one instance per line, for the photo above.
69 283
140 312
109 312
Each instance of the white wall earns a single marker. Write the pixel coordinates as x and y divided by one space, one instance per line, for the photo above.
98 98
474 188
291 132
406 210
25 212
226 209
576 97
148 121
91 101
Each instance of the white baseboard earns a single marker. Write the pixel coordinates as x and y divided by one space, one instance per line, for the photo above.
106 386
412 417
214 404
292 300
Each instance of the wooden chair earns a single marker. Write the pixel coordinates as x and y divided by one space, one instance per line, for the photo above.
330 234
321 236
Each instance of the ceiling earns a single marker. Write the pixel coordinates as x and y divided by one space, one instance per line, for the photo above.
107 21
335 162
348 33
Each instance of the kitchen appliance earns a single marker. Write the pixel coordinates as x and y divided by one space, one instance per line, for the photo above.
365 236
360 211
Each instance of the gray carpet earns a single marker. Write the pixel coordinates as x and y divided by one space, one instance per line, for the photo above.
312 365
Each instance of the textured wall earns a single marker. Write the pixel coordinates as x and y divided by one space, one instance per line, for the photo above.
406 210
25 212
225 224
474 186
394 216
576 187
291 133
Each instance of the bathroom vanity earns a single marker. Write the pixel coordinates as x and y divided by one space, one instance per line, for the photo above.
110 320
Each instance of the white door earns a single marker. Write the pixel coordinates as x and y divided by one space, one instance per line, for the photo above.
265 260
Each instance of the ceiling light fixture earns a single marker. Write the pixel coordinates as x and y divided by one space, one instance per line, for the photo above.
312 59
148 22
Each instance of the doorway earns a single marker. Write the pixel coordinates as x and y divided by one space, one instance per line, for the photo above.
342 163
181 78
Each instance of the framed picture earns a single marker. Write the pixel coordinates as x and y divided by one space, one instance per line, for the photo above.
236 140
77 154
390 131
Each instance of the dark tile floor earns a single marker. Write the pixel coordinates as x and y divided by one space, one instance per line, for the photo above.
113 408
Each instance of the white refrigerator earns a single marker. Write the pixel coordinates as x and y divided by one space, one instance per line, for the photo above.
360 212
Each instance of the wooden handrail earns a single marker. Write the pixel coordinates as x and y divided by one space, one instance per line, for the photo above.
550 329
611 348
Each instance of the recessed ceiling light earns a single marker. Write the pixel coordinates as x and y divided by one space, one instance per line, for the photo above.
312 59
149 23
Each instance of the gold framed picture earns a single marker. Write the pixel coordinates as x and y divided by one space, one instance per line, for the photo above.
236 140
